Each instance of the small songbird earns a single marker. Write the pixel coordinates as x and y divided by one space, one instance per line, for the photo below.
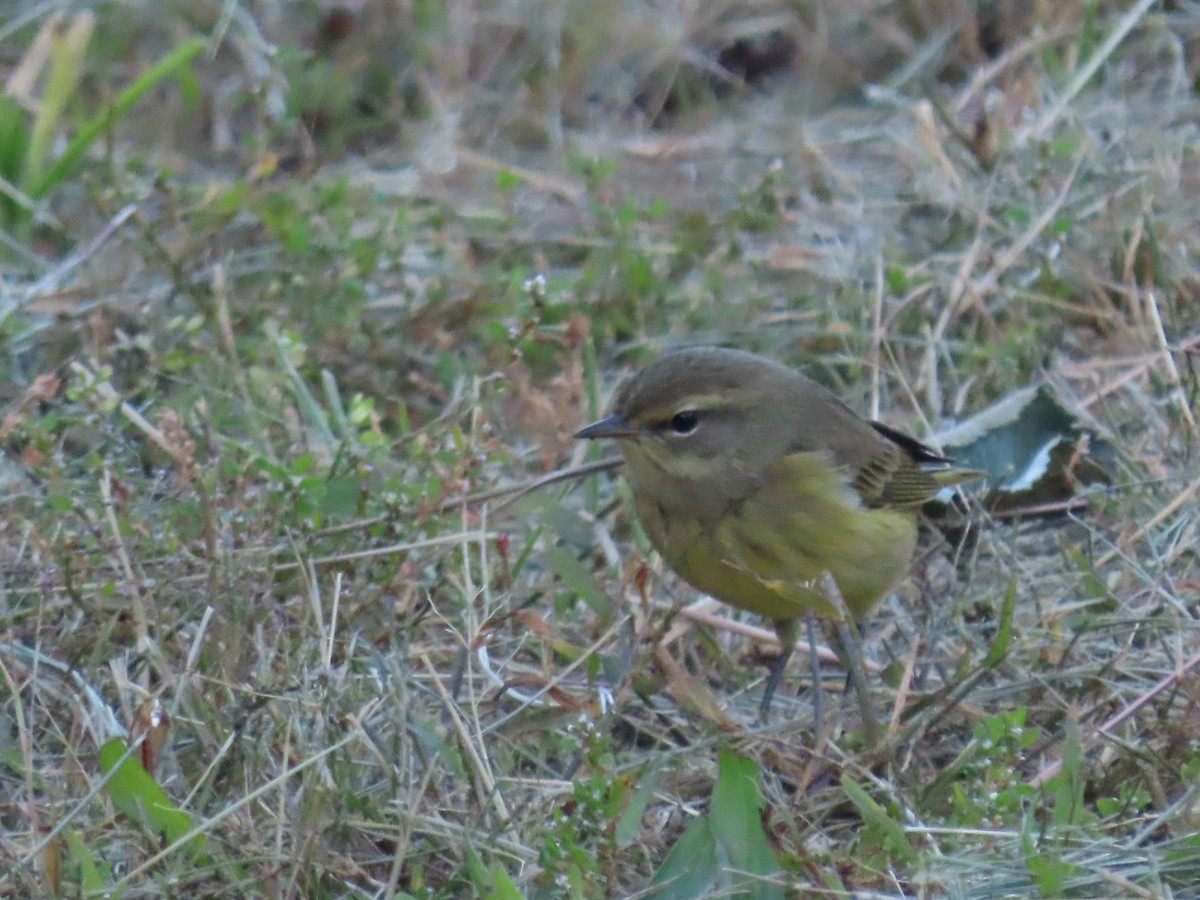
753 482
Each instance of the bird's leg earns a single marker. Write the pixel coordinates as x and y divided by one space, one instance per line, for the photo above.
848 648
786 632
814 668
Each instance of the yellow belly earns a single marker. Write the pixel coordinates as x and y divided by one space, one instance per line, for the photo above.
768 551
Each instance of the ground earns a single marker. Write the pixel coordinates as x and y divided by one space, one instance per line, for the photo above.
302 303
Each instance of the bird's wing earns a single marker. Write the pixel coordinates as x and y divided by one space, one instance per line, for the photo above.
888 468
883 466
893 478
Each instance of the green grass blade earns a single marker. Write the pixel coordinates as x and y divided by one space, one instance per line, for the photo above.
178 58
999 648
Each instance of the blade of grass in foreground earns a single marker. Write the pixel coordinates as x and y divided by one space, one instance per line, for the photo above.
135 792
173 62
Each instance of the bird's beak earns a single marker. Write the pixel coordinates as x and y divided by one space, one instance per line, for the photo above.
613 426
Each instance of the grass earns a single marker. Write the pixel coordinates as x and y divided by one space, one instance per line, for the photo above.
299 317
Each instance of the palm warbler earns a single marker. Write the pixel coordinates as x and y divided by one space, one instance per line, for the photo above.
754 481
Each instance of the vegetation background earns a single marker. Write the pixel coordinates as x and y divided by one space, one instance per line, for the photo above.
295 293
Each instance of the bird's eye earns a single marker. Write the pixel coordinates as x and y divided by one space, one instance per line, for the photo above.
684 421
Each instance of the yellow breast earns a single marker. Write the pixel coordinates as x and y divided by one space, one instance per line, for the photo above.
766 552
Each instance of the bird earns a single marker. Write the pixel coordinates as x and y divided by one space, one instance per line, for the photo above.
761 488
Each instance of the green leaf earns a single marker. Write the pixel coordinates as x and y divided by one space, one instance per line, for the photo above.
340 497
90 878
477 872
490 882
1045 866
579 580
1093 586
629 826
507 180
1033 449
736 819
10 756
875 815
1068 785
503 887
274 470
690 869
135 792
